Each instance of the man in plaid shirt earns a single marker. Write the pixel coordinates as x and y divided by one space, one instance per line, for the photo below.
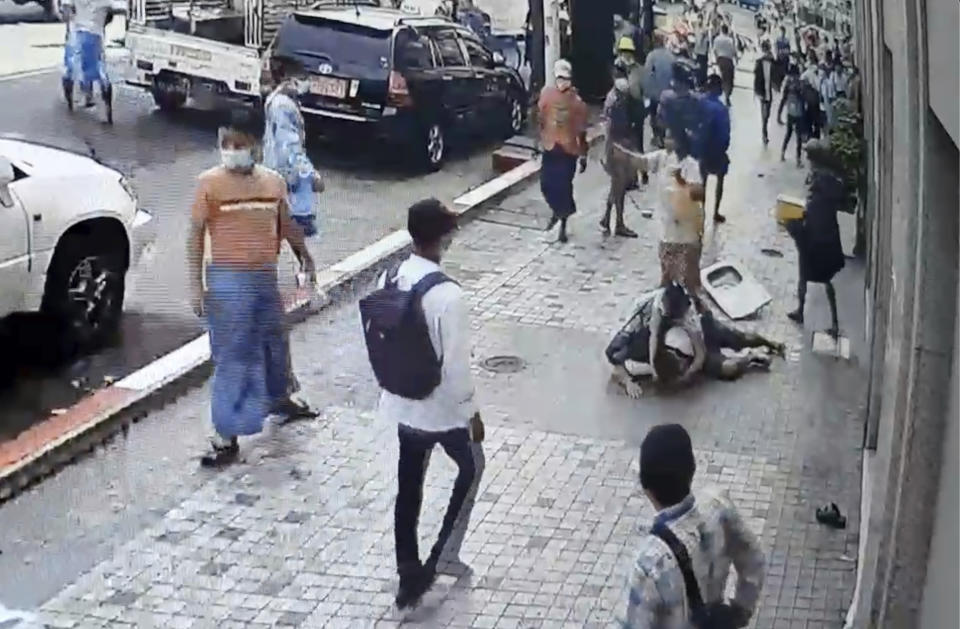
708 526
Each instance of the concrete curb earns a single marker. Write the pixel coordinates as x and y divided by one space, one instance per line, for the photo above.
24 74
44 447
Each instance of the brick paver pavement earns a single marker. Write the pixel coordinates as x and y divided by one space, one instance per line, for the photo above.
300 534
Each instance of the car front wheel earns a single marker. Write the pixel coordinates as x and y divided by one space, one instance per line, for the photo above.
434 146
85 289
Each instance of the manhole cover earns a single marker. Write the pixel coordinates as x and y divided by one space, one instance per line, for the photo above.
503 364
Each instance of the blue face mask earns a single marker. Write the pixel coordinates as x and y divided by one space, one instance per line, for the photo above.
236 159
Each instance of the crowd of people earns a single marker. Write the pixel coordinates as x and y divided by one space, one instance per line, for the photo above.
416 327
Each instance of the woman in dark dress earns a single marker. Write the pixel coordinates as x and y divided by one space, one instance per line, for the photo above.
563 138
817 234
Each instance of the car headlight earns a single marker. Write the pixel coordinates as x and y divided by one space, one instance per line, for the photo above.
128 188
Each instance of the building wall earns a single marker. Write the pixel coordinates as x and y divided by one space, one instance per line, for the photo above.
912 214
943 572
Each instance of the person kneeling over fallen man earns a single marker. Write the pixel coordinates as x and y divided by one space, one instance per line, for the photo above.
672 336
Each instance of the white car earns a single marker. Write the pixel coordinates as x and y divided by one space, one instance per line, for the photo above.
70 228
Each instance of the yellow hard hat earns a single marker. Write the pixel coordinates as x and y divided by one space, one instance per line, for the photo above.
626 44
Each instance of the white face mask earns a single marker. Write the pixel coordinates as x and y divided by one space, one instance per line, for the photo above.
302 86
621 84
563 84
236 159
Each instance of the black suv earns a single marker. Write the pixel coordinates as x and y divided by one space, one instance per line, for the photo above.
404 80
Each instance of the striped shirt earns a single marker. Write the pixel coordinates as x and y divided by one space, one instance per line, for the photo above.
245 213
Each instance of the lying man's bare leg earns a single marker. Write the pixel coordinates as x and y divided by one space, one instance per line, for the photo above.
622 376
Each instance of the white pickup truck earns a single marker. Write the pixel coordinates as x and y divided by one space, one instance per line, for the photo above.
211 51
201 49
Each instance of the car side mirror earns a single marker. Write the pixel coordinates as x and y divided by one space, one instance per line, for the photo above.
498 59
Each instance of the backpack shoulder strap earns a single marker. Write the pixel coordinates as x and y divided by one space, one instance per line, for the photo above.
683 560
390 277
427 282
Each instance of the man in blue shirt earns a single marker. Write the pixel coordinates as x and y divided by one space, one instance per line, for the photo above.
714 140
284 142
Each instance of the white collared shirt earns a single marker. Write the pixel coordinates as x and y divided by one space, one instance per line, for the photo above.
91 15
451 404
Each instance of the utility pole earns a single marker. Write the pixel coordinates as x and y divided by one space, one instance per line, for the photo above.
535 47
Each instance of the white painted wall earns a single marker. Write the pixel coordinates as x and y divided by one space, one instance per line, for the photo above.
939 607
943 24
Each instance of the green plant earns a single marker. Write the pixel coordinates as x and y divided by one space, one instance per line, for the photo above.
848 147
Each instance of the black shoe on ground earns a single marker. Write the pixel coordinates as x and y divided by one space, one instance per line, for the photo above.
107 93
562 237
221 456
796 316
719 218
68 93
625 232
292 410
413 587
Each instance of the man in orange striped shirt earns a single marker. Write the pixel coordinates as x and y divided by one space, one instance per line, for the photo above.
244 208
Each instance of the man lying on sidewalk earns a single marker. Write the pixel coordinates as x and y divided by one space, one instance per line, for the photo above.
680 573
672 336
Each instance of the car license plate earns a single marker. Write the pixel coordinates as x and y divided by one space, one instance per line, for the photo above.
326 86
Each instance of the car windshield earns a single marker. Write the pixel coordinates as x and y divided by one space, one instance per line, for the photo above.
351 50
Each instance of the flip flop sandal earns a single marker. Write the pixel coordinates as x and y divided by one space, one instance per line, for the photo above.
294 411
830 516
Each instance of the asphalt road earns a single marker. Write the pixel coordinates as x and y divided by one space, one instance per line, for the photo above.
367 194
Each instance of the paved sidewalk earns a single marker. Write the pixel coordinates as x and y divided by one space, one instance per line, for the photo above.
301 533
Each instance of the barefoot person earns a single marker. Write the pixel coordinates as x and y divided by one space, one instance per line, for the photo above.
672 336
244 208
563 138
680 211
662 325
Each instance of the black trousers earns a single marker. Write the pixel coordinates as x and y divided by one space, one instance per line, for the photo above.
765 106
795 126
702 67
415 448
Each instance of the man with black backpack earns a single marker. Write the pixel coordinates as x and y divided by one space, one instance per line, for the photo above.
418 340
680 573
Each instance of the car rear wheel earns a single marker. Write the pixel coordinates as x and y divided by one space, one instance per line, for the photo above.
168 100
434 146
515 117
85 289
